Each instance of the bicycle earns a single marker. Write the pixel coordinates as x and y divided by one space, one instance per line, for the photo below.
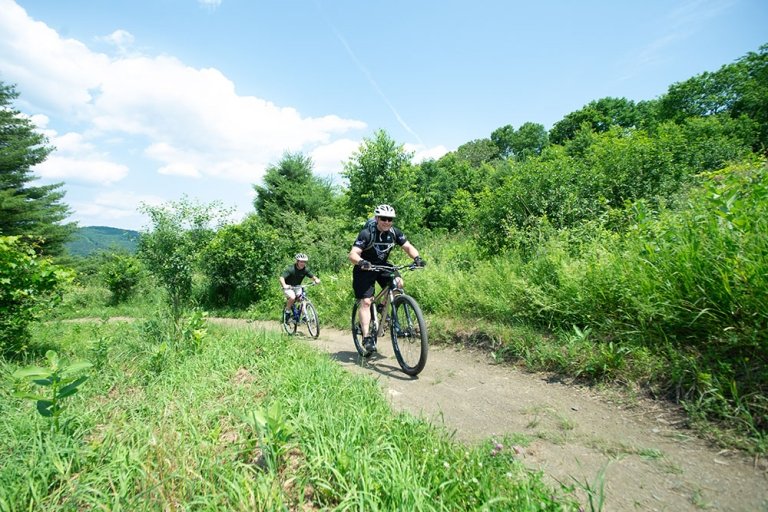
305 312
393 308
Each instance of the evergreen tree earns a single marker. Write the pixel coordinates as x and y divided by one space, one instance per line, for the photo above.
34 212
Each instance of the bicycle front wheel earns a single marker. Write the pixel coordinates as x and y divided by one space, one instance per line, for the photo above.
409 335
289 326
313 324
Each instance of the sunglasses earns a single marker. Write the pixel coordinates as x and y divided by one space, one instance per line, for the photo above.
386 219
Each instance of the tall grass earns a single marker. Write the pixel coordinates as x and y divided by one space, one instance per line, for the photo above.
182 435
675 300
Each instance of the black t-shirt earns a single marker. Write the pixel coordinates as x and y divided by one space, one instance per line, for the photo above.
377 245
293 276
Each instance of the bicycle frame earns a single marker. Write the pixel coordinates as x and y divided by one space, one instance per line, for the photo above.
385 297
301 297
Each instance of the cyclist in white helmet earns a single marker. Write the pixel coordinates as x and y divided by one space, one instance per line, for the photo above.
372 247
292 277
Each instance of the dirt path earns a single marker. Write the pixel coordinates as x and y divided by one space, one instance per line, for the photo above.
650 462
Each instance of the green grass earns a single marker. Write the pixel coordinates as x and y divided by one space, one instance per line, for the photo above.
673 304
176 428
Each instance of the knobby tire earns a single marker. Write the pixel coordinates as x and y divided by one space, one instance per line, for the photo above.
288 325
357 334
313 324
409 335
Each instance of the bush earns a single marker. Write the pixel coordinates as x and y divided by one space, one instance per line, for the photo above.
240 262
121 273
29 286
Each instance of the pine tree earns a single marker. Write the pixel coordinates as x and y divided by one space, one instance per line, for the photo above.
34 212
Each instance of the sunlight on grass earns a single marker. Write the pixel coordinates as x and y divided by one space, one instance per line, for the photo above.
149 437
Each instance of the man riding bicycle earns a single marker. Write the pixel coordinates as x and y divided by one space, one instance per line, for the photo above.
372 247
292 277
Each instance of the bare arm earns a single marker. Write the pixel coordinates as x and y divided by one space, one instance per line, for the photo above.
355 255
410 250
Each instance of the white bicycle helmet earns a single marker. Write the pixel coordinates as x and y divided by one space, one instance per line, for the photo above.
384 210
302 257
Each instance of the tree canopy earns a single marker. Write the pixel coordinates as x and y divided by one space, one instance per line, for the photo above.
291 188
381 172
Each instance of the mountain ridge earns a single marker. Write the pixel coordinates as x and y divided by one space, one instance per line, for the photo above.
88 240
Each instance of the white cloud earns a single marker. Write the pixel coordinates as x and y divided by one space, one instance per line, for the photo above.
421 153
108 207
58 73
330 158
91 170
77 160
158 100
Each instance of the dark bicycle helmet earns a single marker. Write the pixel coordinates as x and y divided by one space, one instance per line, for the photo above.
302 257
384 210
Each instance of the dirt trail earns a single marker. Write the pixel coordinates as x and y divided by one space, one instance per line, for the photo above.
650 462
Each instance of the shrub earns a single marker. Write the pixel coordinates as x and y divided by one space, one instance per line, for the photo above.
121 273
29 286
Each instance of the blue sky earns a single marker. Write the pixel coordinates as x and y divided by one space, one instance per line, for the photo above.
148 101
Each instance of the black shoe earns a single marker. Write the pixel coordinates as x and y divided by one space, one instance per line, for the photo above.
286 317
369 345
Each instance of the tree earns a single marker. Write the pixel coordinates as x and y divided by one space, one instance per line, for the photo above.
34 212
290 186
529 140
753 100
477 152
448 188
737 89
599 115
381 172
172 248
502 137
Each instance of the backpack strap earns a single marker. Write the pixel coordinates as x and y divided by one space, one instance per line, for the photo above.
370 224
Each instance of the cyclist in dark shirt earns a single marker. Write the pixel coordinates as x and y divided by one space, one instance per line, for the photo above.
292 277
372 247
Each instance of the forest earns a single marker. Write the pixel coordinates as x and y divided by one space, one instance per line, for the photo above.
625 246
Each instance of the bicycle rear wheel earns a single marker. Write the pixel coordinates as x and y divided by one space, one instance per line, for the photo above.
310 316
409 335
357 331
289 326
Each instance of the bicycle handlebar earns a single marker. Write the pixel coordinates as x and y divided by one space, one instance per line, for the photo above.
390 268
303 285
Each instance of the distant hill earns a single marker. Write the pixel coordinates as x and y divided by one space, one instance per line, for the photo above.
90 239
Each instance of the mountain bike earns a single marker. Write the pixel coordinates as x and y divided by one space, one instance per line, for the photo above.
392 308
302 311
